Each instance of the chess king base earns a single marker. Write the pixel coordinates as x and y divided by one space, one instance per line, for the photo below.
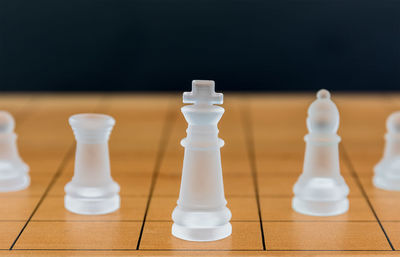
202 234
92 206
320 208
215 230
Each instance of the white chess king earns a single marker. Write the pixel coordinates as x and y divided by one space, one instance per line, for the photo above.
92 189
387 171
321 190
13 171
201 213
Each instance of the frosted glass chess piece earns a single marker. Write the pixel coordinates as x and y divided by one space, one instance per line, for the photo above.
321 190
387 171
13 171
201 213
92 190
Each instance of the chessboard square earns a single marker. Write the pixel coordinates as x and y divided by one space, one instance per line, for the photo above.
268 150
286 163
235 147
242 208
161 208
333 235
239 185
288 137
80 235
386 208
364 168
52 209
393 231
68 169
174 150
57 188
128 165
245 236
167 185
17 208
172 164
276 185
134 184
236 165
9 232
280 209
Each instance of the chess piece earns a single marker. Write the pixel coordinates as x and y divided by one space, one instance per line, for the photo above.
201 213
321 190
92 190
387 171
13 171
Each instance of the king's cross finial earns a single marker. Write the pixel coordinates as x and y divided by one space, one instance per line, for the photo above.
203 91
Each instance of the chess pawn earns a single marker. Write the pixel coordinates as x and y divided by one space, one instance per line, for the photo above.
92 189
321 190
13 171
387 171
201 213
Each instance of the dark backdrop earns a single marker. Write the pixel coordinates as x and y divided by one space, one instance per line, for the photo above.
164 44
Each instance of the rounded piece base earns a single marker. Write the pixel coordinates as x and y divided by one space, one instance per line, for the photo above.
387 184
320 208
15 183
92 206
201 234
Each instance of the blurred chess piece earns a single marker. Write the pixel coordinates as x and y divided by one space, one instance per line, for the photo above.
387 171
201 213
92 189
321 190
13 171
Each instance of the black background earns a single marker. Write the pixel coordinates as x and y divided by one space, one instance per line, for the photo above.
146 45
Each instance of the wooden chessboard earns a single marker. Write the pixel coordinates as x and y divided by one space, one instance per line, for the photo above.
261 160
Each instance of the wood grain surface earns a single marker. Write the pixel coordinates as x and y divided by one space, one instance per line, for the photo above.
262 158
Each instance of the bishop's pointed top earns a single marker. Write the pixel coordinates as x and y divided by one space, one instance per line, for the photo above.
203 91
323 94
393 122
7 122
323 115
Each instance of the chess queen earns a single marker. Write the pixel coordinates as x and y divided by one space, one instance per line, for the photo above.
201 213
321 190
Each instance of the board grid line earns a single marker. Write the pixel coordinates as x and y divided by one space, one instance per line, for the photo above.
166 132
349 164
249 137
